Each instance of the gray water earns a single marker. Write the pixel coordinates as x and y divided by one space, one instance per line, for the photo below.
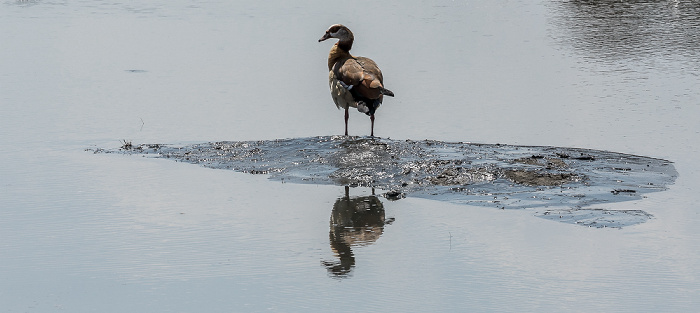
85 232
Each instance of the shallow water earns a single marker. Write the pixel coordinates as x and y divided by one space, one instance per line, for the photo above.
553 179
85 232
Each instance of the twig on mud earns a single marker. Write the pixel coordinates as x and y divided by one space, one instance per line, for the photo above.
126 145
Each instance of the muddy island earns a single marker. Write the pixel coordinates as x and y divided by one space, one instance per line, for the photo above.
564 184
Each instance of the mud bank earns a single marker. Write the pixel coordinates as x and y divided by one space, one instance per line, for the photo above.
559 183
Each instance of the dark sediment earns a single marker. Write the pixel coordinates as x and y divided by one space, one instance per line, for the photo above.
502 176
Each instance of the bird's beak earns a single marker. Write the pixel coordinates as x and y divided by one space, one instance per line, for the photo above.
325 36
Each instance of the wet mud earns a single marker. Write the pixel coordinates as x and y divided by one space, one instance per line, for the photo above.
558 183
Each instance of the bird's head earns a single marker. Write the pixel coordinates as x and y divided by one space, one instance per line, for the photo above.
338 31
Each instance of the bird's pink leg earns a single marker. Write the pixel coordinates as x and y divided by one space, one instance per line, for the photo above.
347 116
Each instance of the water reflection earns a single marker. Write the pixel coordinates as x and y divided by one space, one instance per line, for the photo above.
355 221
628 30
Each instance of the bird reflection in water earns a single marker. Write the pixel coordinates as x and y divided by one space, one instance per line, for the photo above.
355 221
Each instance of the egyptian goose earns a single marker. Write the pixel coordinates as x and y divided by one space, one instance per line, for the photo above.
354 81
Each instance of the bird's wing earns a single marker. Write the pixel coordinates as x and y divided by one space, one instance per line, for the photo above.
361 73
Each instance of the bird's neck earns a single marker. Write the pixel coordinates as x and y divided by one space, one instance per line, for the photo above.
339 51
346 43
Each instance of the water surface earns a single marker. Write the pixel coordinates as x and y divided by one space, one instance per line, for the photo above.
85 232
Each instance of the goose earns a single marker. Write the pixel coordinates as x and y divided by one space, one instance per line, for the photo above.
354 81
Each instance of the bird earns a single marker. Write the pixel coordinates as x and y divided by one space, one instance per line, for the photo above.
354 81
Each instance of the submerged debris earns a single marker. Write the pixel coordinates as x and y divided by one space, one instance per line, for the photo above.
599 218
394 195
498 175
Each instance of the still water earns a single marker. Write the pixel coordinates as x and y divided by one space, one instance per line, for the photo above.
85 232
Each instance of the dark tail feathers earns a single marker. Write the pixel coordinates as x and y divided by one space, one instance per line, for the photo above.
386 92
